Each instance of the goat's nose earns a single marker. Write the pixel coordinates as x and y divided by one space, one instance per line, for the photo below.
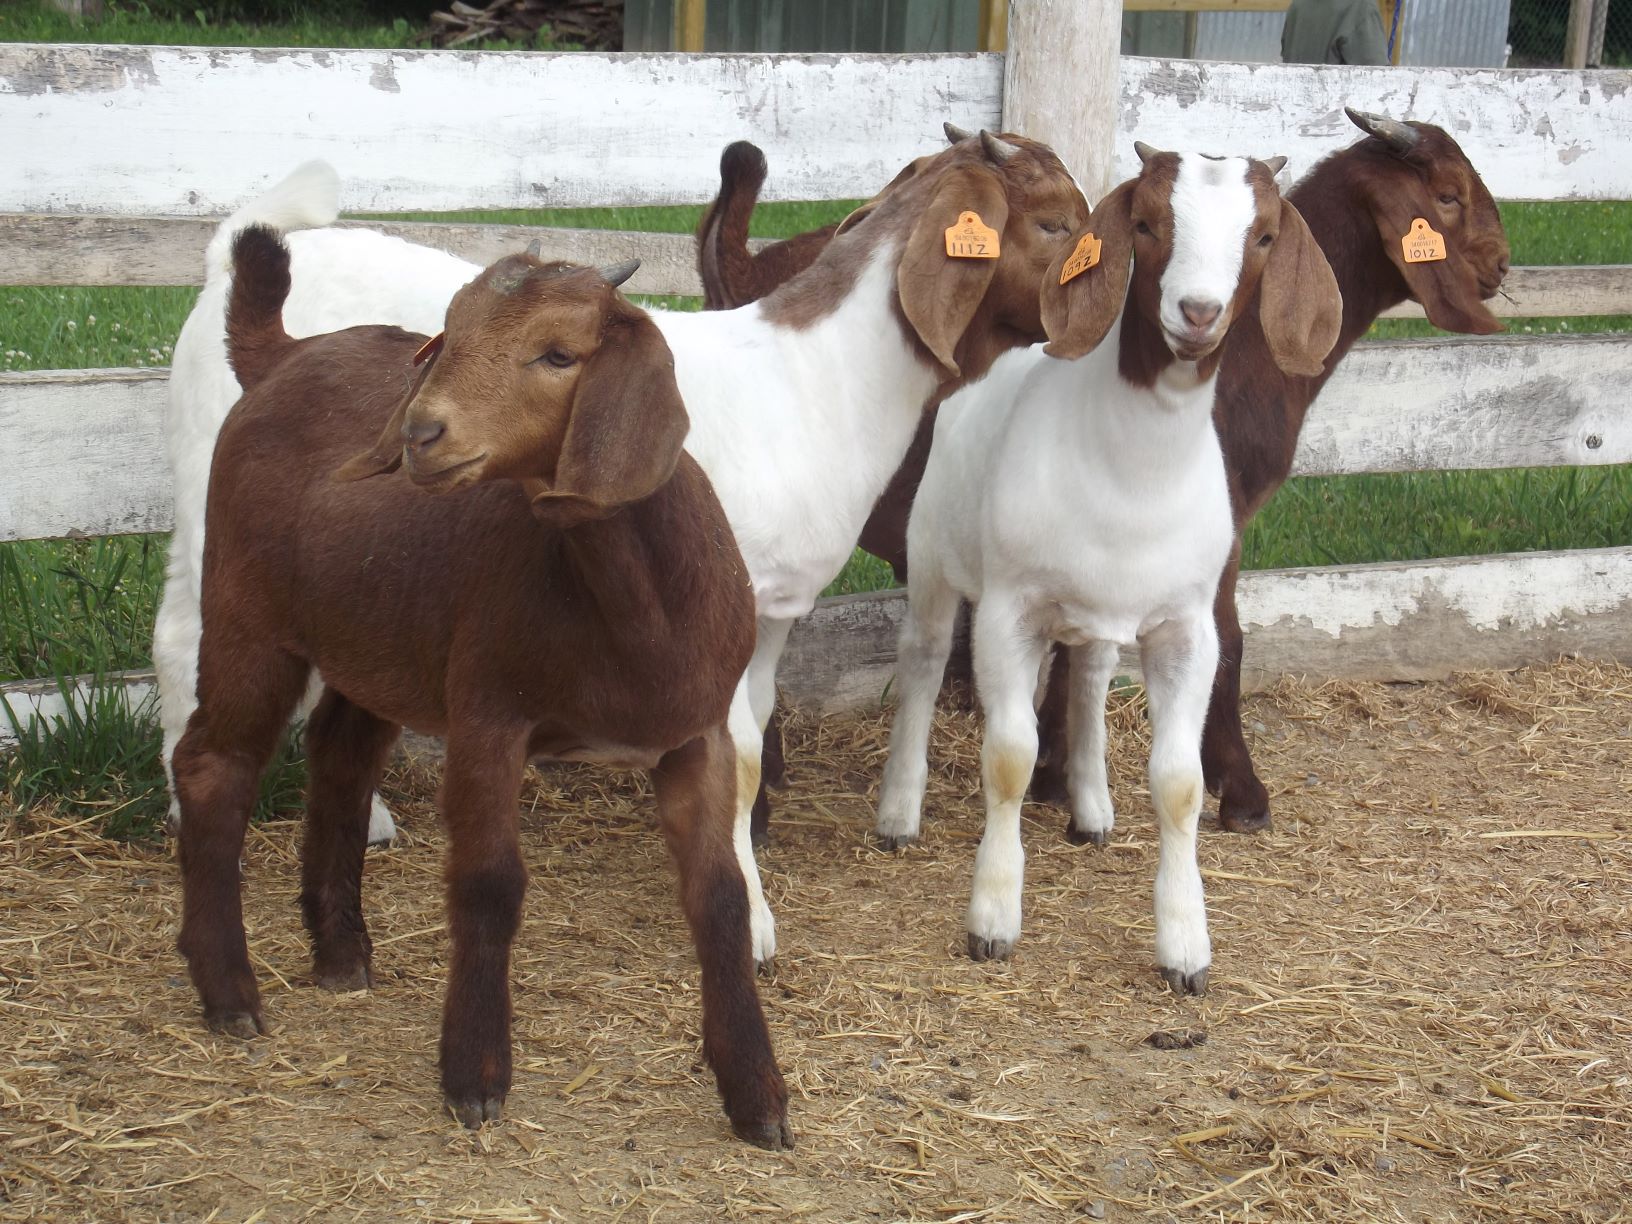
422 433
1199 311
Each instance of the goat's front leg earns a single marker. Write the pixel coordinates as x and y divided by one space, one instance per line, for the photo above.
696 793
1243 802
747 741
1089 677
926 640
1007 657
1179 657
486 882
769 642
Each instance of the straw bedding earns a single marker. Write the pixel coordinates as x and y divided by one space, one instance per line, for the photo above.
1419 1007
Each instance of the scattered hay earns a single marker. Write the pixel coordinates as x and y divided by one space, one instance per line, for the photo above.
1419 1006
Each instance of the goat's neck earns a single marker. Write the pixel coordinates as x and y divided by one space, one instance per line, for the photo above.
1160 422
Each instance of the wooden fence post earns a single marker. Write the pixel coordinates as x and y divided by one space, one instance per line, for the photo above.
1061 82
1578 34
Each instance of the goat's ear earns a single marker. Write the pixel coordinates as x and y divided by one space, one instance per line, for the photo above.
940 294
1077 314
1448 288
1298 300
626 429
386 453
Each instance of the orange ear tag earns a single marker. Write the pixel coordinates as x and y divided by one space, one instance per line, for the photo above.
429 349
1422 245
1084 257
971 238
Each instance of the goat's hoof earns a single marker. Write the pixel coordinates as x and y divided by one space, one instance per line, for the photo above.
983 949
1082 837
896 841
766 968
1249 820
1186 983
772 1136
472 1112
344 979
244 1024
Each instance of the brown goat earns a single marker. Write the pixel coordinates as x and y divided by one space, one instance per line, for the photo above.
580 596
1358 203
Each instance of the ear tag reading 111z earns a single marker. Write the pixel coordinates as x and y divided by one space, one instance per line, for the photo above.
971 238
1422 245
429 349
1084 257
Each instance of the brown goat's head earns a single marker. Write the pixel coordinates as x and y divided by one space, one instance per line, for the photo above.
1202 235
544 374
1416 170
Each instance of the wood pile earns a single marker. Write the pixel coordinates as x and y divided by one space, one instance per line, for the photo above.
595 25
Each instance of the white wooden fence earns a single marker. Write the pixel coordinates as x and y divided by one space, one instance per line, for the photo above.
116 160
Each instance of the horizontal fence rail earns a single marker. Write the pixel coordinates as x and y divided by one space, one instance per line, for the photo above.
86 450
157 131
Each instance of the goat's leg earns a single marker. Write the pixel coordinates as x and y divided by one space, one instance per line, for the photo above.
926 640
1049 781
696 788
747 739
1089 676
486 883
1007 659
346 749
1179 657
771 638
230 736
1243 802
176 631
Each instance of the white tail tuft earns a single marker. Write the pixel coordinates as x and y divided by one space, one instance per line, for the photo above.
308 198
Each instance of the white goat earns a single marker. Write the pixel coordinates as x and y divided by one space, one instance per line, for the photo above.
801 404
1078 494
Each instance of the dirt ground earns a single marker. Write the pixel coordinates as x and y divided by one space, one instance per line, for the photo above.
1420 1004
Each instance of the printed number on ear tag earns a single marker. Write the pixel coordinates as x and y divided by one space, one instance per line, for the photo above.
429 349
1084 257
1422 245
971 238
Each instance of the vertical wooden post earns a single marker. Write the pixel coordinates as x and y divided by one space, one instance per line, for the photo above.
1062 82
1578 34
690 24
1595 40
994 25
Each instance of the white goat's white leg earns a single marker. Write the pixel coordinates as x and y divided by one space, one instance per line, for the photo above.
926 640
1092 815
747 742
176 630
771 640
1179 658
1006 660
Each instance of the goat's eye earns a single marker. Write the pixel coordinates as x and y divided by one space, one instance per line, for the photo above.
1446 197
559 358
1052 226
1140 227
1266 240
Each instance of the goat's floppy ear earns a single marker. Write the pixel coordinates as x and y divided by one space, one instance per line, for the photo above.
627 425
386 453
940 294
1077 314
1448 288
1298 300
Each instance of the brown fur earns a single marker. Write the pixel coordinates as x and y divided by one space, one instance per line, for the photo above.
602 612
732 275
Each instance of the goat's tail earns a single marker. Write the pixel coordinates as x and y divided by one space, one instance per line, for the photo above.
723 260
308 198
256 339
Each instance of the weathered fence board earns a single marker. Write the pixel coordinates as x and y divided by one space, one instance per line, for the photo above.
86 454
58 250
1415 620
116 130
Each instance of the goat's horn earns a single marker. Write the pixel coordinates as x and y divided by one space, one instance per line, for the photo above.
1275 164
535 248
1401 137
954 133
1146 152
616 274
997 149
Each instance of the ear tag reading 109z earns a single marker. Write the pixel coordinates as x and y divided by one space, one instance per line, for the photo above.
971 238
429 349
1084 257
1422 245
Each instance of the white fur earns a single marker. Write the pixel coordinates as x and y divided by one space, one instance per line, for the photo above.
1069 505
798 430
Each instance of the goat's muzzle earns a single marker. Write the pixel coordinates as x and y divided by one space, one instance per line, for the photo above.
429 460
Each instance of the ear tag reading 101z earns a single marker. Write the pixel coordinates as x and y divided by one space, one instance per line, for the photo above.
1422 245
1084 257
971 238
429 349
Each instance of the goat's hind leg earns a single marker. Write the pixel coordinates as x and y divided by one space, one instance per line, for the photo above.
696 799
346 750
246 693
926 640
1092 815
